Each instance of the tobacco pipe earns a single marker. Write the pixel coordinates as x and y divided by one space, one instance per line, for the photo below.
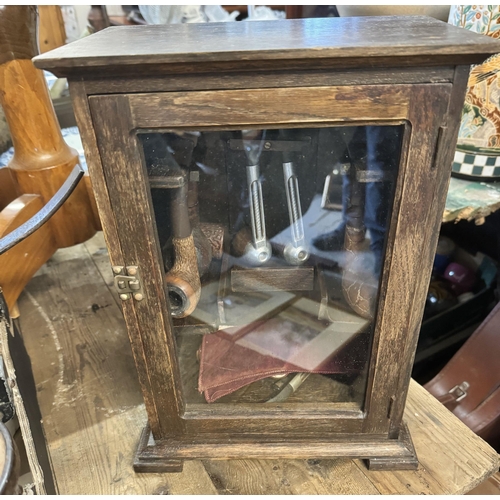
297 380
183 279
259 250
202 244
296 251
358 290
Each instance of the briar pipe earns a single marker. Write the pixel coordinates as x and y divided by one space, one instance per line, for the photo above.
201 242
359 287
183 279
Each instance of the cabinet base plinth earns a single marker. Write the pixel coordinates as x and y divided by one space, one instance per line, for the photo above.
407 462
144 462
164 465
380 453
387 463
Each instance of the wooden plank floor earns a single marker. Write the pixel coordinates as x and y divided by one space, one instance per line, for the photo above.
93 411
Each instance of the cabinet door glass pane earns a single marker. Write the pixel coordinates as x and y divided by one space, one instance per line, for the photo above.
273 244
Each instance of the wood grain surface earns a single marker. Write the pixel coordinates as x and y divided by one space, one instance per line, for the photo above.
410 250
8 188
348 40
406 271
20 263
18 32
244 280
439 170
267 106
93 412
12 487
285 49
276 79
42 160
153 349
51 31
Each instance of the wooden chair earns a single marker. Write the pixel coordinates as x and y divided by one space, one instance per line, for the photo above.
41 162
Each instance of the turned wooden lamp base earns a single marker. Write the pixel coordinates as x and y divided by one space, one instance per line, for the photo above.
380 454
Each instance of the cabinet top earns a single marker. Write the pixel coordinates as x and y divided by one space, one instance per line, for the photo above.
300 43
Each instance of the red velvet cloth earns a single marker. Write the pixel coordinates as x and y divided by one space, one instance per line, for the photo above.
226 365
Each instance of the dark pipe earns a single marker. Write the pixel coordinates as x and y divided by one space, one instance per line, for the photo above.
181 227
359 291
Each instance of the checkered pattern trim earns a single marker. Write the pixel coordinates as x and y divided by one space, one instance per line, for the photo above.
476 165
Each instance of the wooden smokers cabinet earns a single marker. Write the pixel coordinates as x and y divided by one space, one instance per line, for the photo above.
271 194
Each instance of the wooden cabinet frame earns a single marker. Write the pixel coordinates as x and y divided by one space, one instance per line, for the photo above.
180 430
316 73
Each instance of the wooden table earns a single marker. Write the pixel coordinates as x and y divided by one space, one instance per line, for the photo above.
93 411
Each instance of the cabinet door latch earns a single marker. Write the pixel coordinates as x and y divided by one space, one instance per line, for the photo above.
128 282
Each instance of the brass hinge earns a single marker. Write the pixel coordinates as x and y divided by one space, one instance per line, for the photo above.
128 282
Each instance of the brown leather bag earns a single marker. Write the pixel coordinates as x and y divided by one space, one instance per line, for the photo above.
469 385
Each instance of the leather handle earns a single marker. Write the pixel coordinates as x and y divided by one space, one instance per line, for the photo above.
454 395
446 399
49 209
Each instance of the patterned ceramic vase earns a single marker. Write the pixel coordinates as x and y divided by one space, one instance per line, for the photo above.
478 149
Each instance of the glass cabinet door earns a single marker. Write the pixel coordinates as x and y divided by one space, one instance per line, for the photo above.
273 246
